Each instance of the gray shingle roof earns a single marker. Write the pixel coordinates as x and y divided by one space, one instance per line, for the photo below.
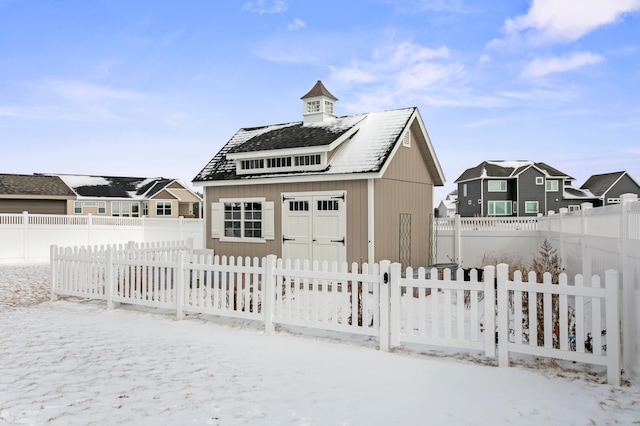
505 168
599 184
114 186
374 137
34 185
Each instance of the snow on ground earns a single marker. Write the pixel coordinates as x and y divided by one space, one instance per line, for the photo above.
75 362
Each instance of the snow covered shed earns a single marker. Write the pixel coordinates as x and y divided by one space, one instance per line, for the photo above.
352 188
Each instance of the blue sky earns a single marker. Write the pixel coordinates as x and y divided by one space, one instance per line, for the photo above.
155 88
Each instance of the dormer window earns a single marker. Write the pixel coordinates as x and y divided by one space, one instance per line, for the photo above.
313 106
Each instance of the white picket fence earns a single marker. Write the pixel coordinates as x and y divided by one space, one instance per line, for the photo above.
378 300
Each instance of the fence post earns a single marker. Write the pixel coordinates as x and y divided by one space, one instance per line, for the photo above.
386 276
110 277
268 292
25 236
457 245
563 259
503 315
53 251
585 251
180 234
628 310
180 287
490 311
613 328
396 306
90 229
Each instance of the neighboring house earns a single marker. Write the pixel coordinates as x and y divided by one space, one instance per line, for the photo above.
34 194
131 196
608 187
353 188
517 188
448 206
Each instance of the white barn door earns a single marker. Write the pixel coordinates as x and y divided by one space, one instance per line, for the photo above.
314 226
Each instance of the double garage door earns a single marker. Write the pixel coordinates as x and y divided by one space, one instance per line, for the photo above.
314 226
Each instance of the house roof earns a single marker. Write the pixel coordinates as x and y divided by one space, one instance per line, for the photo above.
370 140
115 187
571 193
319 90
506 169
36 185
600 184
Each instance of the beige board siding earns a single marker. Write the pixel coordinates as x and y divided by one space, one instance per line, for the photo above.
409 163
392 198
356 216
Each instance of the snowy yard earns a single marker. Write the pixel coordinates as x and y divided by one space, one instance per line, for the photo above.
74 362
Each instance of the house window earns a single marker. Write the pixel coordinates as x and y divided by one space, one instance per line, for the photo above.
499 208
531 207
102 207
89 203
115 208
328 107
243 219
574 208
406 140
125 208
135 209
464 189
77 207
497 186
145 208
552 186
313 106
539 180
163 208
613 200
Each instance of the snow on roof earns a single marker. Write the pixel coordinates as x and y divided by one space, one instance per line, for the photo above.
76 181
365 151
513 164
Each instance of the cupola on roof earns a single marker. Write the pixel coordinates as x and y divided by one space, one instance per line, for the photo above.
318 104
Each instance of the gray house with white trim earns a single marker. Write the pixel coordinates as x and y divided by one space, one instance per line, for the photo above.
517 188
608 187
352 188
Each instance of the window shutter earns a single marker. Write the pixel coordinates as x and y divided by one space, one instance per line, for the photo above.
268 220
217 220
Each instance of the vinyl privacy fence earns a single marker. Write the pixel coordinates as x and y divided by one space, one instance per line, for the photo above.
411 307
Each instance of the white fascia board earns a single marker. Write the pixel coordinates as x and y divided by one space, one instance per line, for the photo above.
416 117
290 179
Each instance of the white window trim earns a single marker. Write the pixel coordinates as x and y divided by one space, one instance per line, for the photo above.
537 209
613 200
77 204
217 220
574 207
464 189
539 180
508 211
557 186
503 183
163 203
102 205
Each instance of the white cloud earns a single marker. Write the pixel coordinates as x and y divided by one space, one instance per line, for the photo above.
567 20
296 24
540 67
265 6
